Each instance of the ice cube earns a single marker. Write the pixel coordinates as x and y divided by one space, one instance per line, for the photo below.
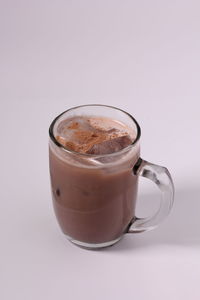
68 128
110 146
80 123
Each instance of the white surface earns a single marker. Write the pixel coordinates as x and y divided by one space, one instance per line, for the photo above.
141 56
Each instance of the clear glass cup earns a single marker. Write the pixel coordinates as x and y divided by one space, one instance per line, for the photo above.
94 196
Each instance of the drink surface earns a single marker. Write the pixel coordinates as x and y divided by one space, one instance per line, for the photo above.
94 135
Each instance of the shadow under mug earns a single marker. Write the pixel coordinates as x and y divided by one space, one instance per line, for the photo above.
94 196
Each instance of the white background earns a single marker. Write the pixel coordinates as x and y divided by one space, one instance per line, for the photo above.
142 56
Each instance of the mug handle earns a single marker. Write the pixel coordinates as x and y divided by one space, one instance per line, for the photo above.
162 178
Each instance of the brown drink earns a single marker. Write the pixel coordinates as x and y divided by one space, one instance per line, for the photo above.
93 186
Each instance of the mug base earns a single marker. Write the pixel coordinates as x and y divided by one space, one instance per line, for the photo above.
89 246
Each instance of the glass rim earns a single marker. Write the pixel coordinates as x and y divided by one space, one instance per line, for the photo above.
54 140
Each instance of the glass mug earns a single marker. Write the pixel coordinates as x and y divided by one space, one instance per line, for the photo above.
94 196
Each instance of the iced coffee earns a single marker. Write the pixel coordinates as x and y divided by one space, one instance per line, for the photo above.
93 186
